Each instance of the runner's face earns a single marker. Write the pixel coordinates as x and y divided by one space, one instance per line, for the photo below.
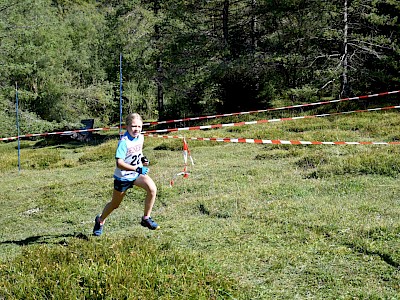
135 127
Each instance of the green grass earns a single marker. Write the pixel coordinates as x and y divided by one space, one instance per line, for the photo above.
113 268
250 222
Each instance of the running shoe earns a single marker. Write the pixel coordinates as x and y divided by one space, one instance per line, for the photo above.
98 227
149 223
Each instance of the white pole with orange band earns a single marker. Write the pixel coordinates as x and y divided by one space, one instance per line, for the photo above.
185 173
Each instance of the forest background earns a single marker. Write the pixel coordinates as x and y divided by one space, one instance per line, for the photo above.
185 58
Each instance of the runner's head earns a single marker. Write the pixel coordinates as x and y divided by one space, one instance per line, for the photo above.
134 124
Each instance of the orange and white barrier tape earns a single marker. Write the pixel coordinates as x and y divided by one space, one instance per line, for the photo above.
271 109
267 121
228 124
275 142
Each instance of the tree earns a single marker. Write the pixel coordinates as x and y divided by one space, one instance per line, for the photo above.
370 45
50 50
187 57
130 31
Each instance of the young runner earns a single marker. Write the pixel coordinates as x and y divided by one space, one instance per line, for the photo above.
131 169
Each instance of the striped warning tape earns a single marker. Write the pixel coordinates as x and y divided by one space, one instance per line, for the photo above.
267 121
208 126
271 109
275 142
223 125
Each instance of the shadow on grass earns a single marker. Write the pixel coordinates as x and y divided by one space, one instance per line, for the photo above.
65 142
47 239
384 256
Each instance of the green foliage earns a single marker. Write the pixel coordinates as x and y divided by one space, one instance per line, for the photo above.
129 31
8 122
306 94
52 55
187 58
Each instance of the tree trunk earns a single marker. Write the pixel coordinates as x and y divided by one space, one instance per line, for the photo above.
253 25
345 84
159 68
225 24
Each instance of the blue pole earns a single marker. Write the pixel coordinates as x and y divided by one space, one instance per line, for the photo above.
19 144
120 94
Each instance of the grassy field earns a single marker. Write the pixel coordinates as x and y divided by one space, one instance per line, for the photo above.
250 222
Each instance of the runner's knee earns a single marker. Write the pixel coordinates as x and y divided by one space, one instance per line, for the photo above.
152 190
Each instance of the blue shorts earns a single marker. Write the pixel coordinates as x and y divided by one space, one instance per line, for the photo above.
122 186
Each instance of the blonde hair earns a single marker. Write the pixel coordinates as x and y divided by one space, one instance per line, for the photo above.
131 117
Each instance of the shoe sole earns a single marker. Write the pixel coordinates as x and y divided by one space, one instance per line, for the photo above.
151 228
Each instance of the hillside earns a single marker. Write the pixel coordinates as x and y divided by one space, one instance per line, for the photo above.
251 221
77 59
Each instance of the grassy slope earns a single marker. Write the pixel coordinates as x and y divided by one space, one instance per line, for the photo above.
252 221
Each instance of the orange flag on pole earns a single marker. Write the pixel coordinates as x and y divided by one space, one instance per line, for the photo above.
186 154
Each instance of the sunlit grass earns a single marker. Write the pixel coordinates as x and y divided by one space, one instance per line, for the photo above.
250 222
134 267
